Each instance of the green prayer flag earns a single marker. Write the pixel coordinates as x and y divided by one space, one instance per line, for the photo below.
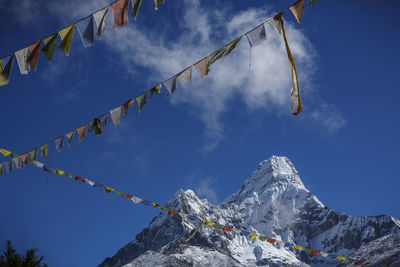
69 175
224 51
135 7
141 100
308 250
262 238
117 192
155 90
164 208
66 37
218 226
232 45
50 43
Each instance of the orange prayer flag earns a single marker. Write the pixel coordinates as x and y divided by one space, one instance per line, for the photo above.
297 10
34 55
202 66
120 11
81 132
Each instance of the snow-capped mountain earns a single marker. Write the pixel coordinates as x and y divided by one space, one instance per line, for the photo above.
273 202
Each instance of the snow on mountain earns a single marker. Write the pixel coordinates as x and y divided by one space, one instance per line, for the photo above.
273 202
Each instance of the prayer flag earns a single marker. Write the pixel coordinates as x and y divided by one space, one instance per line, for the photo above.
22 59
275 24
34 55
271 240
58 171
298 247
81 132
256 36
141 100
5 152
227 228
1 168
69 175
155 205
115 115
128 104
59 143
262 238
297 10
128 196
183 215
117 192
6 72
137 200
209 223
98 185
8 165
218 226
50 43
69 138
279 243
308 250
236 230
313 2
332 256
340 258
78 178
44 151
170 84
186 75
350 260
232 45
295 91
314 252
47 168
104 119
163 208
108 189
245 233
33 154
358 262
17 162
135 7
86 31
37 164
289 245
100 19
120 11
25 158
172 212
324 254
96 126
253 235
145 202
155 90
202 66
91 183
66 37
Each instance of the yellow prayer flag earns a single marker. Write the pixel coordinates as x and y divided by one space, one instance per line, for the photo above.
209 223
5 152
44 151
59 172
253 236
298 247
155 205
66 37
108 189
340 258
3 78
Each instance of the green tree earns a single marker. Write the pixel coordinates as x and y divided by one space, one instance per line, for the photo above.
10 258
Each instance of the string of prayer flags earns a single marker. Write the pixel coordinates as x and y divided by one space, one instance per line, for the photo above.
100 19
120 11
185 75
202 66
25 158
34 54
170 84
141 100
115 115
297 10
224 51
59 143
66 37
50 43
155 90
68 138
128 104
81 132
135 7
295 91
22 60
86 31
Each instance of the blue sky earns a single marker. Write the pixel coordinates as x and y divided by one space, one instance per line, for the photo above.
211 133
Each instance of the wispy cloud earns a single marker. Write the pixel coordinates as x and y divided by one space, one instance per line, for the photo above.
206 189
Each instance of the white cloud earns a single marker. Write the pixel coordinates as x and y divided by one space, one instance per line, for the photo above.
206 189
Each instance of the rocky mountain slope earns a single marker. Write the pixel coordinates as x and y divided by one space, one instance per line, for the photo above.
273 202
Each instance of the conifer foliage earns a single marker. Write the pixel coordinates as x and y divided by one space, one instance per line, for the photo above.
10 258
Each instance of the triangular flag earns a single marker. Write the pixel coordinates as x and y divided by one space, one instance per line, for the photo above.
208 223
100 19
69 175
308 250
186 75
163 208
218 226
128 104
183 215
115 115
155 90
136 200
120 11
81 132
340 258
172 212
96 126
117 192
25 158
323 254
8 165
37 164
68 138
135 7
227 228
17 162
170 84
91 183
141 100
276 24
66 35
34 55
44 151
6 72
86 31
297 10
104 119
314 252
256 36
298 247
98 185
232 45
59 143
128 196
22 57
262 238
156 3
155 205
5 152
202 66
58 171
78 178
217 55
50 43
108 189
253 236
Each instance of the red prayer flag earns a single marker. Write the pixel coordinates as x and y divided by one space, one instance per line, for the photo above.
358 262
127 195
79 178
314 252
271 240
227 228
34 55
172 212
120 11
